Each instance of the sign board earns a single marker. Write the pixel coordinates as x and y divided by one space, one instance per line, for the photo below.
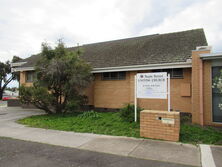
152 85
168 121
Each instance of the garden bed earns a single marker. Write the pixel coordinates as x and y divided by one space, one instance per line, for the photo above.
110 123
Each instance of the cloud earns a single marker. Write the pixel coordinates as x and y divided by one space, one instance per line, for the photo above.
205 15
24 25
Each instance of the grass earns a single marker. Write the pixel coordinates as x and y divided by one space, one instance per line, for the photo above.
106 123
110 123
200 135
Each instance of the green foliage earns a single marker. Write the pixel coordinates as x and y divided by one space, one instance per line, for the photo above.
196 134
108 123
185 118
127 112
64 75
90 114
13 89
38 96
77 103
217 82
6 76
4 70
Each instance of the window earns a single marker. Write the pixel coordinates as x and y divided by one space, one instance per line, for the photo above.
114 76
174 72
30 76
177 73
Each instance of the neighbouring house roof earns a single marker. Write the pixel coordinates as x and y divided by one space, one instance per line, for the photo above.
145 50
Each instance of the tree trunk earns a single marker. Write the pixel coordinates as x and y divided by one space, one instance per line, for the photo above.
1 94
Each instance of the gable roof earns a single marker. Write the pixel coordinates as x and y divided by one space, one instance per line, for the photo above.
144 50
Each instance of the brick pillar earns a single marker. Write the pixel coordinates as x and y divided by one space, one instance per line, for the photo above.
22 77
160 125
197 86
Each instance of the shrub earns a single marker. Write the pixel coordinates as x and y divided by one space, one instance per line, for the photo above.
127 113
34 95
90 114
77 103
61 78
186 120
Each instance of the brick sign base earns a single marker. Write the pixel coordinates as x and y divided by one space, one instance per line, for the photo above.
160 125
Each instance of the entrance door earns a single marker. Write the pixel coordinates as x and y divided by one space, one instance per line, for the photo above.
216 97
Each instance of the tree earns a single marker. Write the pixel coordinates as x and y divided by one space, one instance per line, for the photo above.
61 77
6 76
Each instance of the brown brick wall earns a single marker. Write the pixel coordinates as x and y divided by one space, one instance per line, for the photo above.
178 101
196 96
23 79
111 94
153 125
116 93
207 97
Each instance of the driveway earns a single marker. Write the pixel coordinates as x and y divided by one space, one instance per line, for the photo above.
217 155
11 114
165 152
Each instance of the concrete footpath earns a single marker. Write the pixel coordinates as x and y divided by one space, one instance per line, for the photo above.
179 153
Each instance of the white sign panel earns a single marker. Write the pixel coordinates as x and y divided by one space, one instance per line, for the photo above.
168 121
152 85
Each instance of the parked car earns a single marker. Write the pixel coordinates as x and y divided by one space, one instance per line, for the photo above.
6 98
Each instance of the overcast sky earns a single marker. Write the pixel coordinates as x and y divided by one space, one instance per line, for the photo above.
25 24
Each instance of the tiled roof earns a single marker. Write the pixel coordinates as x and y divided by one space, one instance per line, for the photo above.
150 49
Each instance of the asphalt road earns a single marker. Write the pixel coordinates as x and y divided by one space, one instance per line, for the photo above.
17 153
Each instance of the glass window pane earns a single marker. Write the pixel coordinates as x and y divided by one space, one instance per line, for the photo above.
169 71
177 73
157 70
122 75
29 76
105 76
216 97
114 75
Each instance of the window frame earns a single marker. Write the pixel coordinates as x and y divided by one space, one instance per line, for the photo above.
111 76
171 72
32 74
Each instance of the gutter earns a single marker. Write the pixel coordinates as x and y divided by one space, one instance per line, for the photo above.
143 67
211 56
16 69
126 68
17 64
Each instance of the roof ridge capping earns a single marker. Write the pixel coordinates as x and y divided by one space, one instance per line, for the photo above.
115 40
175 32
136 37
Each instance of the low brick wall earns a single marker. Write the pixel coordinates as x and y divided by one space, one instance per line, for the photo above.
160 125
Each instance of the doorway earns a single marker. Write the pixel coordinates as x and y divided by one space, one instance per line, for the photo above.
216 97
